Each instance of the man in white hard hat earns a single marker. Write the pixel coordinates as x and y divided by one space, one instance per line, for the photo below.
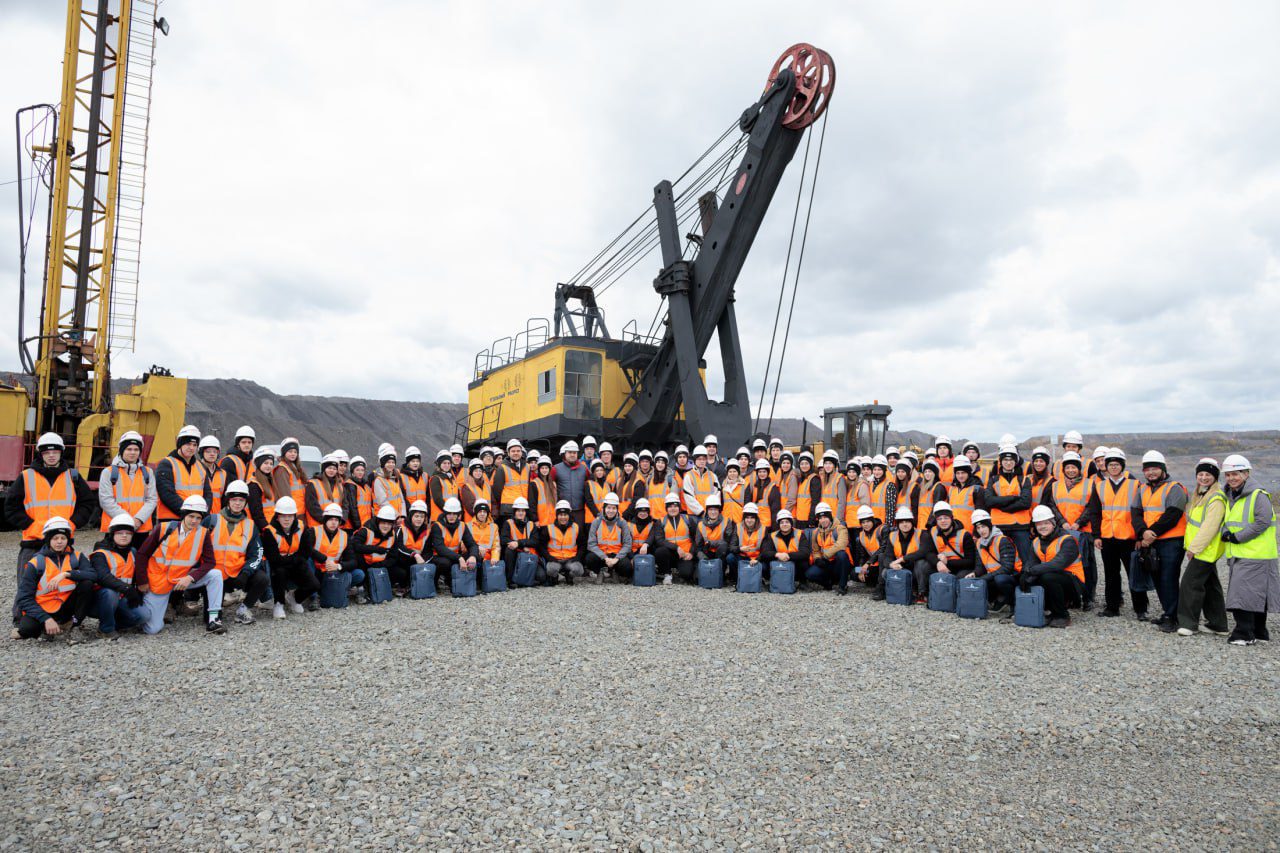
1249 537
377 544
561 548
905 547
238 463
1159 522
510 480
1118 495
180 476
1055 565
179 557
570 477
49 487
829 563
55 588
237 552
1200 591
128 488
589 449
608 552
673 551
715 464
612 472
1008 499
289 560
787 544
955 550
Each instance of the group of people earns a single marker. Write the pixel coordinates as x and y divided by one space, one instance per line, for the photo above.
203 523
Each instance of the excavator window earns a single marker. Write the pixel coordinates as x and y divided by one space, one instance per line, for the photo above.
547 386
582 374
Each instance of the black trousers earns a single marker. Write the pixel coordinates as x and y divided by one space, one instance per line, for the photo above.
299 574
1250 625
622 568
667 559
1201 591
1061 590
1115 562
75 607
254 585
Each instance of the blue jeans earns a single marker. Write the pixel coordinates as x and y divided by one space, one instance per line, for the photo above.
829 573
1169 553
1089 557
1021 543
1001 586
113 611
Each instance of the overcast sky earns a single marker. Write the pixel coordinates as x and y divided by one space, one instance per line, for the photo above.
1028 219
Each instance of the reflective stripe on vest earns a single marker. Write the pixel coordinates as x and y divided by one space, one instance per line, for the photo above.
385 544
413 488
323 498
962 502
1239 515
287 545
130 491
563 544
760 497
515 484
1009 488
50 595
597 490
1117 523
712 534
949 548
879 499
804 499
639 535
749 542
895 539
416 541
364 503
331 546
782 546
187 482
394 496
230 544
1153 506
1047 554
790 488
703 485
1195 517
831 493
823 539
926 502
990 553
1071 500
870 542
677 532
516 532
173 560
731 498
43 500
486 537
609 539
121 567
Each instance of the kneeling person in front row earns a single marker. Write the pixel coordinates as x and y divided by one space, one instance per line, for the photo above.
609 543
673 550
55 586
237 553
452 543
520 536
829 562
560 547
716 537
954 550
786 545
905 548
1055 564
997 561
179 556
867 544
118 601
328 549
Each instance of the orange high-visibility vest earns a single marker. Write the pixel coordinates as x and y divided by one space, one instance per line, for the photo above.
563 544
217 485
1009 488
287 543
750 542
831 492
1037 490
926 502
413 488
230 544
385 544
712 534
449 488
789 489
173 560
324 497
962 500
364 504
676 532
187 482
332 546
242 470
990 553
657 490
1071 500
760 497
609 537
704 485
879 499
870 542
546 506
639 535
515 484
395 496
486 537
130 490
1117 523
122 567
804 499
732 499
895 539
516 532
269 499
781 545
1048 553
949 548
597 490
1153 507
51 594
416 541
43 500
824 538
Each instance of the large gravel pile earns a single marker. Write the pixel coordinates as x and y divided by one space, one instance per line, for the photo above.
664 718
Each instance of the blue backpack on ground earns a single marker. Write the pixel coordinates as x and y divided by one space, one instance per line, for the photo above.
750 577
1028 608
942 592
897 586
493 577
526 573
334 587
422 581
646 570
711 574
464 582
379 585
782 577
971 598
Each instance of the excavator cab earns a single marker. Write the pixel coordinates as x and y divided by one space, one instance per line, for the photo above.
856 430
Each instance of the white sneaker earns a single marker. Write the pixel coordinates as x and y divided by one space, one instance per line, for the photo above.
243 616
666 580
277 612
1186 632
291 602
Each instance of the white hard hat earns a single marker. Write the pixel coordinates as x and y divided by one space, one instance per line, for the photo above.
534 455
762 465
412 451
589 441
980 515
1008 449
759 443
288 440
419 506
832 455
892 450
941 440
452 505
1152 457
492 451
606 447
241 488
783 513
284 506
732 463
904 513
822 507
775 440
646 452
1115 453
385 449
246 431
128 437
1235 462
611 499
680 448
969 444
563 506
711 439
632 458
643 503
713 499
750 509
54 524
1041 513
962 462
941 506
1072 456
331 510
1073 437
520 503
742 451
1040 450
387 512
329 459
475 463
358 460
865 512
210 441
479 504
341 455
456 448
569 446
911 454
187 433
265 450
195 503
672 498
881 460
444 454
514 442
699 450
122 521
1100 450
804 454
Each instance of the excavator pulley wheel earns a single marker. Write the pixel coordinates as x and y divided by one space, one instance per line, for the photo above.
815 74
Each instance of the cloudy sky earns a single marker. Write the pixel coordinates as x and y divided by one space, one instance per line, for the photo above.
1028 218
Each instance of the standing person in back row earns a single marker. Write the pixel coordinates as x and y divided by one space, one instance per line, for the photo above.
1008 499
510 480
325 488
1117 492
1249 531
413 478
128 488
180 476
236 465
1200 588
1159 520
570 477
289 477
386 482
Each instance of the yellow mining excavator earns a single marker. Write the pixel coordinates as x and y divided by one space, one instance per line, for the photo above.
87 155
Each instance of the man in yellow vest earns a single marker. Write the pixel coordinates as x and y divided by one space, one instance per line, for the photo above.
1200 589
1249 531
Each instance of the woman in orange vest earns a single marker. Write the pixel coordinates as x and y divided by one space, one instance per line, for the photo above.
510 479
445 483
452 544
965 493
1117 495
128 488
292 579
942 450
733 491
414 480
357 501
857 489
415 536
751 536
325 488
1039 475
788 478
905 547
642 528
288 475
329 549
1074 500
179 556
237 553
542 494
828 551
386 482
608 552
786 544
519 535
927 492
1008 499
560 549
673 551
806 494
377 544
484 532
597 488
764 493
55 587
997 561
1055 565
207 452
117 602
866 545
715 537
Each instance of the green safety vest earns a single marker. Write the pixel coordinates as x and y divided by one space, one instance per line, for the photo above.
1195 517
1239 514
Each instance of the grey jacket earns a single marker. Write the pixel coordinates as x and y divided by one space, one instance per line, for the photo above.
593 541
107 490
1254 585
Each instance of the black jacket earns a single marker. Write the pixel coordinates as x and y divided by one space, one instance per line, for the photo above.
33 570
15 513
164 482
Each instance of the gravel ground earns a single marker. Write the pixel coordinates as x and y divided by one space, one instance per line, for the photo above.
648 719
